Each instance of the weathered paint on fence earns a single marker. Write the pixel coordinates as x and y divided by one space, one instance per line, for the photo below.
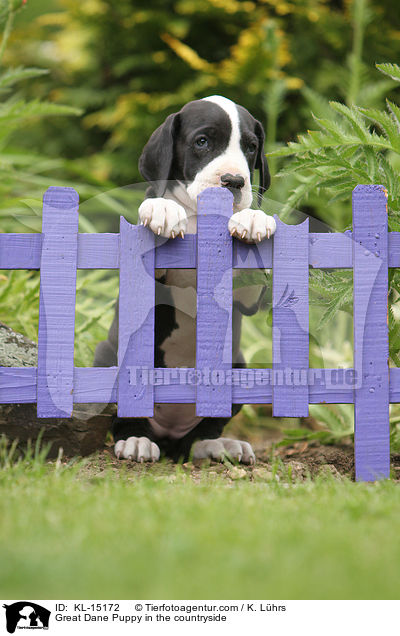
371 342
214 303
136 319
55 385
290 339
55 370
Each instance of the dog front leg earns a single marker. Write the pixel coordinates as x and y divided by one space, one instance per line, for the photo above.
133 439
164 217
205 442
251 226
222 448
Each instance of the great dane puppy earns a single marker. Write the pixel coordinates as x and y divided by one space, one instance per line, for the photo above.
211 142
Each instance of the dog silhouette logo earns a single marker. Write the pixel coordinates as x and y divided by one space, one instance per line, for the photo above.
26 615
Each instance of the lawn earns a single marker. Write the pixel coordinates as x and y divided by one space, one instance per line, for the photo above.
102 529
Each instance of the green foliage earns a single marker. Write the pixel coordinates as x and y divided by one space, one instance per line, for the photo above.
131 63
31 459
12 76
347 150
18 171
19 301
390 69
16 114
333 291
95 303
352 145
338 419
23 178
344 152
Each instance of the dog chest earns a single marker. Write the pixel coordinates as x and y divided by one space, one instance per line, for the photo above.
179 347
174 420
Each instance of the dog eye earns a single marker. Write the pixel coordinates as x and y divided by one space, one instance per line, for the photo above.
201 142
252 147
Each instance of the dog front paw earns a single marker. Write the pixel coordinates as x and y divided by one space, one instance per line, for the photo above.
223 447
140 449
251 225
164 217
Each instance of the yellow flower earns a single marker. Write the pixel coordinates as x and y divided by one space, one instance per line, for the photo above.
294 83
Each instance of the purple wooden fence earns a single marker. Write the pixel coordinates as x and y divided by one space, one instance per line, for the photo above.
213 386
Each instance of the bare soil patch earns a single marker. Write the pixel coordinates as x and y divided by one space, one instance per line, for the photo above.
299 461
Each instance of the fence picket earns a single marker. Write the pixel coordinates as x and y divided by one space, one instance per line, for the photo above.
371 344
136 321
214 303
55 370
290 338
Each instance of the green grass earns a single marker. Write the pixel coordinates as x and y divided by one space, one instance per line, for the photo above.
74 531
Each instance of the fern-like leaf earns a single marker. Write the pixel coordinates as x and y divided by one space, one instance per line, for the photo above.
18 110
395 113
14 75
356 122
388 125
392 70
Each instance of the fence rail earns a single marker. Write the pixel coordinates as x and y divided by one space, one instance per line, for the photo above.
101 251
290 386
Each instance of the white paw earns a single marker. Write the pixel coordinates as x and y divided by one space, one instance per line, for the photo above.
222 447
164 217
140 449
251 225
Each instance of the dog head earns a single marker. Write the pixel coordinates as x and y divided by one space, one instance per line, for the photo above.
211 142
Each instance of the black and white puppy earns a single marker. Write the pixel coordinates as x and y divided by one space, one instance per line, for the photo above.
211 142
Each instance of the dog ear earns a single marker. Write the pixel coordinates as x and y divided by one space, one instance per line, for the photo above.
156 159
261 163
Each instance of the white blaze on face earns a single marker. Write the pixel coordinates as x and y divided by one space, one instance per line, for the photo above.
231 161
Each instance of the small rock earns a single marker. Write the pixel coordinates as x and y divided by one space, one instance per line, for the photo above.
330 469
237 473
296 470
262 474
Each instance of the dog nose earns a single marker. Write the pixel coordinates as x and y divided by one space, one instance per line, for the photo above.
232 181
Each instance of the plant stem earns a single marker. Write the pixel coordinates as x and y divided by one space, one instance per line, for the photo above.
7 29
359 20
272 106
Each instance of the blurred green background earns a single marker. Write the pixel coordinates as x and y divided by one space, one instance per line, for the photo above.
85 82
